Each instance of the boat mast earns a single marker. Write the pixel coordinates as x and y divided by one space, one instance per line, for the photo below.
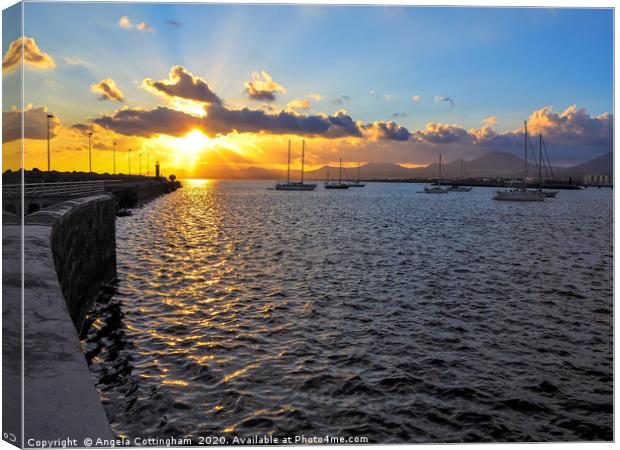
461 168
540 180
439 182
358 172
340 176
525 153
303 151
288 170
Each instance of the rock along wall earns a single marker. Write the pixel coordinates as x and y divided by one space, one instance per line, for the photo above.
83 242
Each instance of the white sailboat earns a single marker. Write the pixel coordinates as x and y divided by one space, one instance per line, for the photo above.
436 189
336 184
295 185
522 194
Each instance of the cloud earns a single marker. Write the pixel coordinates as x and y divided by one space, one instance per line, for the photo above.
381 130
183 84
416 98
108 90
397 114
573 126
147 123
569 133
35 124
490 120
316 97
34 57
82 127
174 23
125 22
439 98
340 100
221 120
75 61
298 104
375 94
438 133
143 26
262 87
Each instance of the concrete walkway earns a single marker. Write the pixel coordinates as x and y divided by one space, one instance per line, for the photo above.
61 401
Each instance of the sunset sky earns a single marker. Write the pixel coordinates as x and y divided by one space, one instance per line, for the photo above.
223 87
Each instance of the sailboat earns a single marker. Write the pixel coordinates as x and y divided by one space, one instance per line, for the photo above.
333 184
436 189
541 161
456 188
357 183
295 185
522 194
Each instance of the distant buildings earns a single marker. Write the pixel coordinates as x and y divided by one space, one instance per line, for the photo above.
596 179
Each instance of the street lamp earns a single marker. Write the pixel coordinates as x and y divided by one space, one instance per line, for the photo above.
49 116
140 164
114 158
129 162
90 157
148 161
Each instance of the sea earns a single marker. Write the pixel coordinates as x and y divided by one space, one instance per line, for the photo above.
373 315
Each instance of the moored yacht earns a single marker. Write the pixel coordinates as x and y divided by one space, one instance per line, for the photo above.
521 194
436 189
336 184
459 188
295 185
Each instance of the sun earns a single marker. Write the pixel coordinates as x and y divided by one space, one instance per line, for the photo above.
193 142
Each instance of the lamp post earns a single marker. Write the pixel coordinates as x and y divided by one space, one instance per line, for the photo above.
49 116
90 157
129 162
140 164
114 158
148 161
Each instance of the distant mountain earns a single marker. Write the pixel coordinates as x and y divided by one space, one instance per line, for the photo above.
371 170
604 164
492 165
504 165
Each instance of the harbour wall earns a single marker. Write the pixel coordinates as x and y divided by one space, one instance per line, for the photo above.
68 254
83 246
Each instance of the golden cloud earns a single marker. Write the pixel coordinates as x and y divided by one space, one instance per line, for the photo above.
490 120
33 56
298 104
262 87
125 22
108 90
181 83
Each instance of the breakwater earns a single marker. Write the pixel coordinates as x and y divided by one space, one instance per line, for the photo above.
68 254
130 194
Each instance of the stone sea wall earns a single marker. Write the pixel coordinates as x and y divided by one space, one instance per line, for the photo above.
68 254
83 244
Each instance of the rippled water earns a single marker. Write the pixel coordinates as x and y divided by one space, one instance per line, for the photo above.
373 312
